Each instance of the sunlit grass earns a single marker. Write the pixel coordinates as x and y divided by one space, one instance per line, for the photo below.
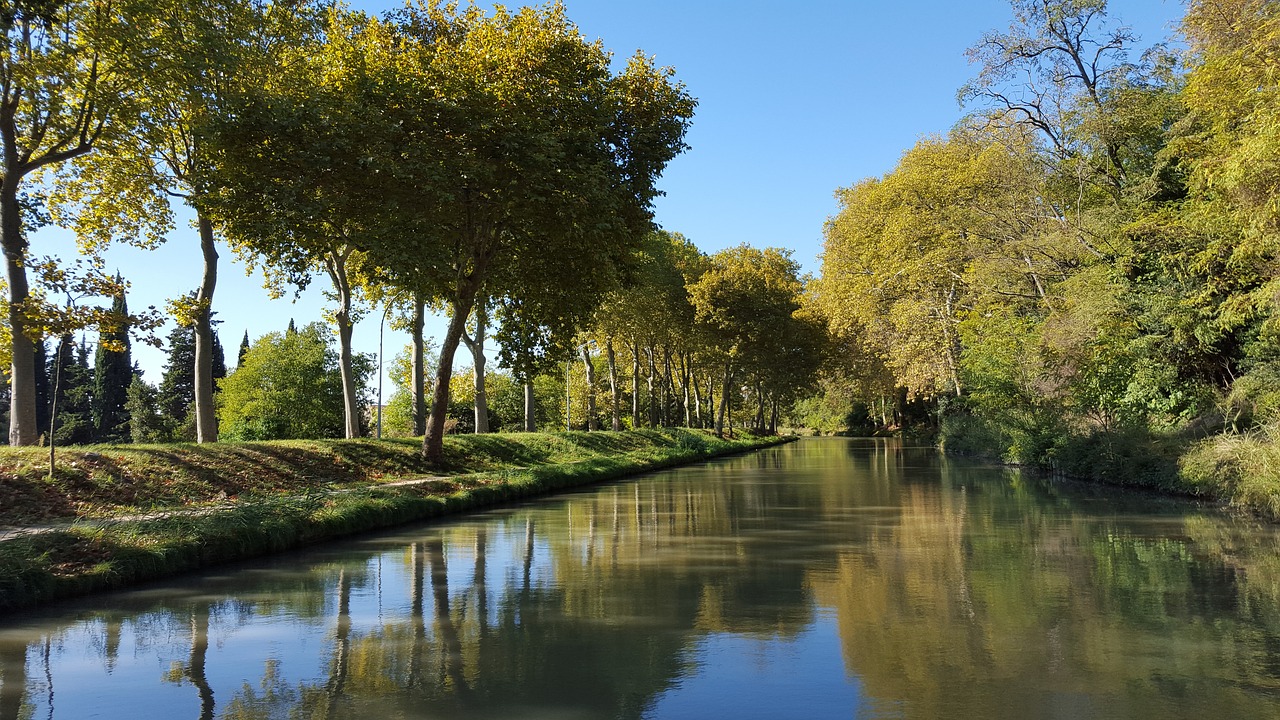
240 500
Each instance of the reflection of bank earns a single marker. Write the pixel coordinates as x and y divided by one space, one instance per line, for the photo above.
598 603
13 677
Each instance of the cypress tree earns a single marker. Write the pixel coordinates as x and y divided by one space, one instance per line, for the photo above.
112 374
219 360
69 371
244 348
177 384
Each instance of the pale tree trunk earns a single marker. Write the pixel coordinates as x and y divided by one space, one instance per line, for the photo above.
419 366
530 419
759 406
335 262
22 371
724 402
684 389
614 399
197 658
653 405
590 371
568 396
476 346
206 419
666 386
342 645
635 384
697 398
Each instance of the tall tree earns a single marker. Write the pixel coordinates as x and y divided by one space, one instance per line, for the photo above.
112 376
60 84
177 385
306 141
545 157
200 52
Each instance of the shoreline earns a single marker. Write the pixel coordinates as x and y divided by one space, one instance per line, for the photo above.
90 555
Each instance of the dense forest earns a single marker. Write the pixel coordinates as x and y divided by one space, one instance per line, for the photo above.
1080 275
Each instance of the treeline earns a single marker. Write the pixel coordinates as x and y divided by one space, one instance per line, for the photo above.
693 340
483 163
1086 265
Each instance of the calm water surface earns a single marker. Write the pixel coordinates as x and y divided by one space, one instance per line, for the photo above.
823 579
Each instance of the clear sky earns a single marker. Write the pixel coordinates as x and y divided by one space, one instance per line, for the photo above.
796 99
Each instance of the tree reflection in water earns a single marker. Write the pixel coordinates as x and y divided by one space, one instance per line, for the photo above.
954 590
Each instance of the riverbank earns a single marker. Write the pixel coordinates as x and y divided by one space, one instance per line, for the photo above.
114 516
1238 470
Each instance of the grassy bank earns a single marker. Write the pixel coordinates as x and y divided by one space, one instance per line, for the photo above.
215 503
1240 470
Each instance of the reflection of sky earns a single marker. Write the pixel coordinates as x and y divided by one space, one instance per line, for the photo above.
710 608
745 677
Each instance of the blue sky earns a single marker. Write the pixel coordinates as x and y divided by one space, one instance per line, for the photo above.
796 99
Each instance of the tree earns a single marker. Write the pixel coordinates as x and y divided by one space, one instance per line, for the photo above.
61 86
746 302
112 376
72 399
289 387
244 348
197 54
177 384
1057 69
307 143
535 155
146 424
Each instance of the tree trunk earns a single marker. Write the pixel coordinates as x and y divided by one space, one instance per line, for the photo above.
419 369
759 423
697 399
667 385
711 398
530 420
614 398
635 384
433 439
724 401
206 420
568 396
684 389
590 370
653 405
476 346
335 262
22 371
197 659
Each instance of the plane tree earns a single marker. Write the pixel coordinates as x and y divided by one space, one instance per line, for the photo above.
531 162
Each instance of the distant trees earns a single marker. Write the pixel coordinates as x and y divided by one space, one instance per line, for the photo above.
1089 254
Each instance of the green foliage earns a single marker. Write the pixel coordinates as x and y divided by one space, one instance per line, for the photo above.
146 424
288 387
112 376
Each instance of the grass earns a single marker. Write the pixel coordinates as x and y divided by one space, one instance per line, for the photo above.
228 501
1242 469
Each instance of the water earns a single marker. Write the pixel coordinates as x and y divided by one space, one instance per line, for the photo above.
823 579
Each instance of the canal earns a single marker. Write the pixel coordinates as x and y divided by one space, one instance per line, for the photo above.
828 578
